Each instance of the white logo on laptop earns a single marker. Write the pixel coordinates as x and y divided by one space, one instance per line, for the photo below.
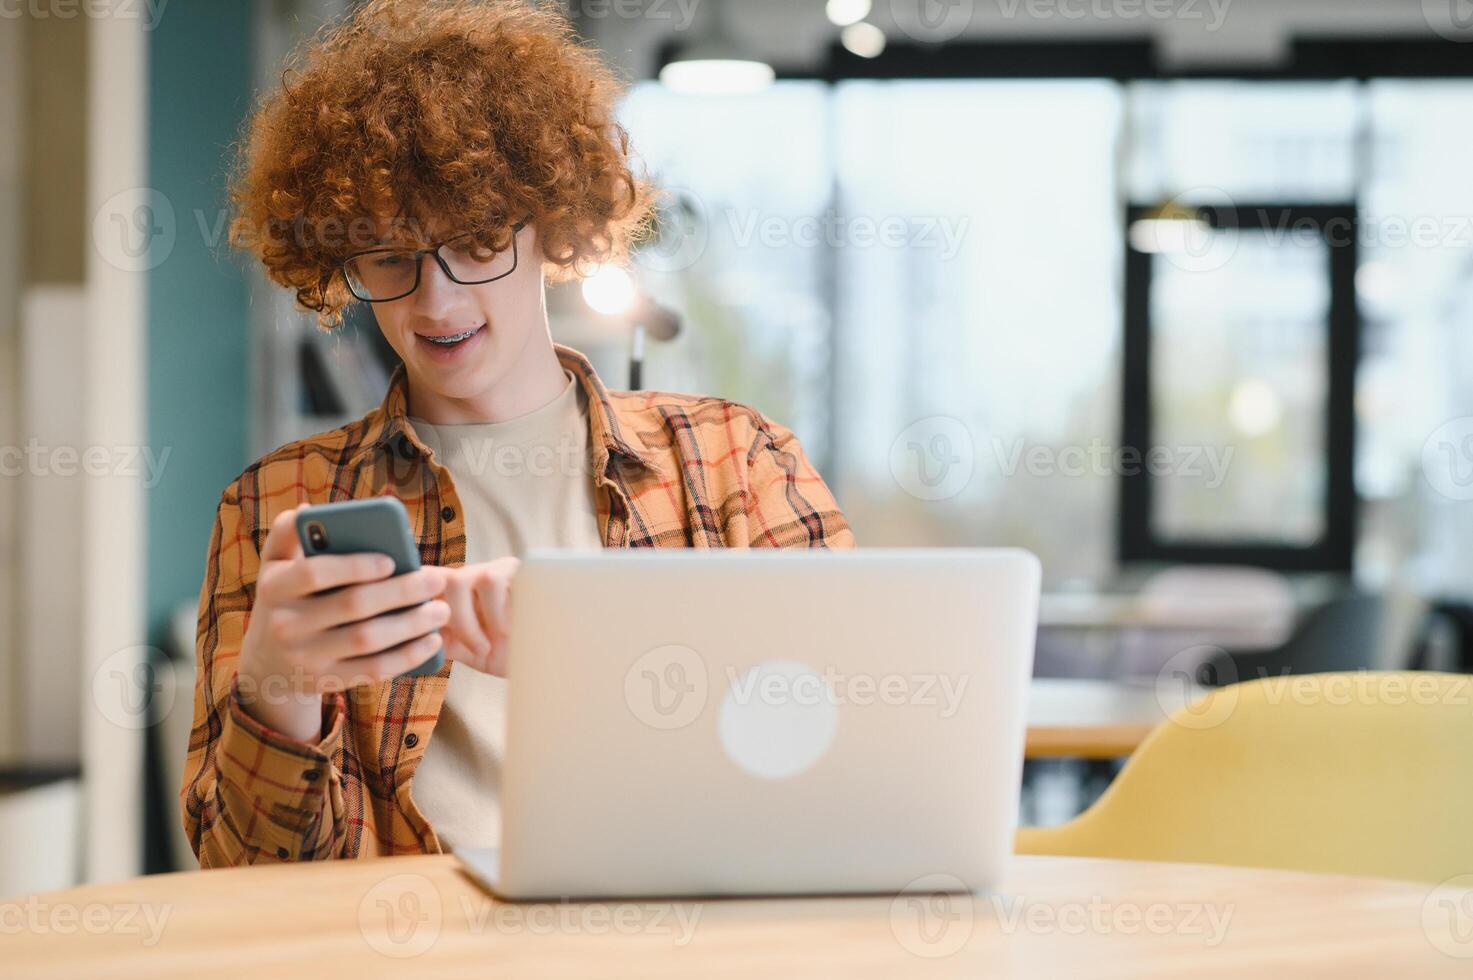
777 719
666 687
934 916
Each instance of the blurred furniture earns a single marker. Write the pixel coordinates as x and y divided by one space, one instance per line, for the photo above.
1229 622
1186 608
41 825
1142 623
1078 732
1348 773
1052 917
1182 617
1219 591
1094 719
1454 620
1359 631
1113 635
173 719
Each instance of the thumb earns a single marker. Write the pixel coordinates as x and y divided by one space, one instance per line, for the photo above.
282 543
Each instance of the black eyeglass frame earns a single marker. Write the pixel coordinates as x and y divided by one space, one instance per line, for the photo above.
419 254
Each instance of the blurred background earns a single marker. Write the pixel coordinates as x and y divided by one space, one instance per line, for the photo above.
1176 293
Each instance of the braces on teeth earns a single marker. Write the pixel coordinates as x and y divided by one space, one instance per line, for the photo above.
457 338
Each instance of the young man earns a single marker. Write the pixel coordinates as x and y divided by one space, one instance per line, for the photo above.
437 160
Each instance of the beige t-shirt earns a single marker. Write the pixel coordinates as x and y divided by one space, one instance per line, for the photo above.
523 483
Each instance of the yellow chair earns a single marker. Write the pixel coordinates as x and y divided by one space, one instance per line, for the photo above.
1358 773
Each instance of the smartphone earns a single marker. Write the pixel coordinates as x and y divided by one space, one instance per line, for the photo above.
378 524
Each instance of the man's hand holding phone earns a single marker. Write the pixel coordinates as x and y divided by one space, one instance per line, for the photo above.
326 623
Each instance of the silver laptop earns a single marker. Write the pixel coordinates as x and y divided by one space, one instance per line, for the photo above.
687 723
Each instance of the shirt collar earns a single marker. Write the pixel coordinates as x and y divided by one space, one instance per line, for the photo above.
606 433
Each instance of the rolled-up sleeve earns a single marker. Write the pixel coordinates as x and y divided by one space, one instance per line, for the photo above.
250 794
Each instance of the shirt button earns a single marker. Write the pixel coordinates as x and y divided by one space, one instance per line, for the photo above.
411 740
282 853
448 514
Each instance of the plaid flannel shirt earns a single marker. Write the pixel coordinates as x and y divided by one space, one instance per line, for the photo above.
671 471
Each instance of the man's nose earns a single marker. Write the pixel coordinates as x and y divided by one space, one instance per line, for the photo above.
437 291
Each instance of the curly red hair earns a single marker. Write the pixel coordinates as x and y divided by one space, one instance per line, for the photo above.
433 115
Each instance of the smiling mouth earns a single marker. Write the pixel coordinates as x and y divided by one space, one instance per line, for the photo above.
454 339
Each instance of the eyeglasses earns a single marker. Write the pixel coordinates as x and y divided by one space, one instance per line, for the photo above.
381 275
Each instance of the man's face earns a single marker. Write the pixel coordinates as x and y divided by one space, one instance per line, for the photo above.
497 320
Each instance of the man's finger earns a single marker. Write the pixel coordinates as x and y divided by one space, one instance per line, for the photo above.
282 543
307 576
491 603
360 602
380 666
464 627
372 636
491 661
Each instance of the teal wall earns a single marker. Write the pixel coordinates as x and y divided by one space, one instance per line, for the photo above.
198 330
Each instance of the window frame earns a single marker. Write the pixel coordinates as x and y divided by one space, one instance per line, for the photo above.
1334 551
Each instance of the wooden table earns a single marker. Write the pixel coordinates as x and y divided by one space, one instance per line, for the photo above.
1066 917
1222 622
1092 719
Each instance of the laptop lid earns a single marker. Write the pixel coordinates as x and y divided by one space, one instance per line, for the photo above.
764 722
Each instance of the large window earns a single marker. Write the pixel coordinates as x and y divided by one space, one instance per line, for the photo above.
925 279
922 287
738 256
1415 399
1241 346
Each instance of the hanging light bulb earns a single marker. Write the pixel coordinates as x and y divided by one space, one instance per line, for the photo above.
842 13
863 39
715 64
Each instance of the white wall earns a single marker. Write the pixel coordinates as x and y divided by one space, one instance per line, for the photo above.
11 75
112 376
49 658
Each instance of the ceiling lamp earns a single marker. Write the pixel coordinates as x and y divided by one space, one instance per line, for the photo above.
842 13
715 64
863 39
